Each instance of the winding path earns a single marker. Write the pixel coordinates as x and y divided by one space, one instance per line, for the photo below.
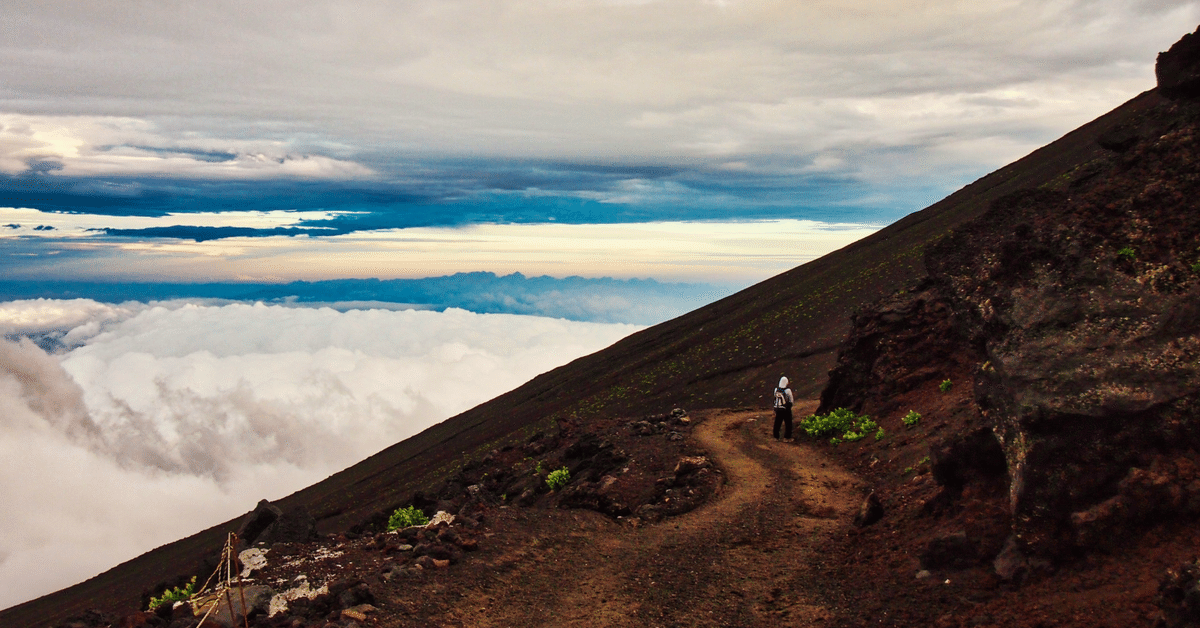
747 558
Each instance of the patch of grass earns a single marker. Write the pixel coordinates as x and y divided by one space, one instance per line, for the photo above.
880 434
406 518
558 478
946 385
1127 253
1196 267
912 418
177 594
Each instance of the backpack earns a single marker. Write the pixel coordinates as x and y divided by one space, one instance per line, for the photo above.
781 399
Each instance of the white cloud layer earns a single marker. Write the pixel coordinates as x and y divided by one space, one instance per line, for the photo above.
167 418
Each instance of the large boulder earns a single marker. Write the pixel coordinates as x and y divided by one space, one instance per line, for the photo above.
229 607
1178 69
258 520
268 524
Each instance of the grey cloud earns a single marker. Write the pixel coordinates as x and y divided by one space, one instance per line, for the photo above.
551 79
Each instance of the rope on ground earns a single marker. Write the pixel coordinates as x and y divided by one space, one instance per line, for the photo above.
226 569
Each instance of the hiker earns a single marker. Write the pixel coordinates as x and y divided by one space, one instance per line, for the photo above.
783 409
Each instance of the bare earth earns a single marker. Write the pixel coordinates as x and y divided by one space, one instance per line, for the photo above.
746 558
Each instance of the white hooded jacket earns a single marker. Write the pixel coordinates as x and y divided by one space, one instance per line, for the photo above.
784 392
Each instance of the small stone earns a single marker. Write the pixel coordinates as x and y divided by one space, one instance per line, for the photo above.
350 613
924 574
441 564
688 464
440 516
869 512
252 559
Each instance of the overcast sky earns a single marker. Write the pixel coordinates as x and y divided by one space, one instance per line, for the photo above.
383 116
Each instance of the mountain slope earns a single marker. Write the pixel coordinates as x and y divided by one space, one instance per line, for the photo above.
726 354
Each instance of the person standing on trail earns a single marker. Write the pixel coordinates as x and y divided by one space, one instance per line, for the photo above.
783 409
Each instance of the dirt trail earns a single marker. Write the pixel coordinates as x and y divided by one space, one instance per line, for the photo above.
745 559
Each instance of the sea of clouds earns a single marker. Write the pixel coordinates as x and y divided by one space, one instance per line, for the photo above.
126 426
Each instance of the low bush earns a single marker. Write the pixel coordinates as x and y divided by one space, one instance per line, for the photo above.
406 518
558 479
842 424
1127 253
911 419
946 385
177 594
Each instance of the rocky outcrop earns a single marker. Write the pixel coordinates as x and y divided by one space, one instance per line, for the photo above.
1178 69
1075 308
1088 311
1179 598
267 524
907 339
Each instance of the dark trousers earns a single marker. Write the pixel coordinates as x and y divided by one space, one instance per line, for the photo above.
784 416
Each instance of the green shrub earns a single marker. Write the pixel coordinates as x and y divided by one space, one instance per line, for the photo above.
880 434
178 594
406 518
558 479
946 385
859 430
912 418
1196 267
1127 253
842 424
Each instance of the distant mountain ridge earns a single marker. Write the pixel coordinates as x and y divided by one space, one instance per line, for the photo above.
723 355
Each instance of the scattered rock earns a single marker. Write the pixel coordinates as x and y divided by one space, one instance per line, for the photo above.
691 464
1010 564
1179 597
357 595
440 516
228 607
952 551
869 512
252 559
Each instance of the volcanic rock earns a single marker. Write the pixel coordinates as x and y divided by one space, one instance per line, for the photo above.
1178 69
869 512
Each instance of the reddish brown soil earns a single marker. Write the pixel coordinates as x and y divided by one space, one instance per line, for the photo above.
755 555
774 546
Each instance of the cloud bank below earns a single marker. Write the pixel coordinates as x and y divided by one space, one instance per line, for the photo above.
164 419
